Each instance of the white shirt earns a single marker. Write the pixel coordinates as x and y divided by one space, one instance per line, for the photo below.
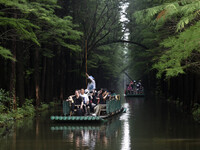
85 98
91 86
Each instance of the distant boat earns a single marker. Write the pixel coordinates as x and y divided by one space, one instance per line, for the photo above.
134 94
112 107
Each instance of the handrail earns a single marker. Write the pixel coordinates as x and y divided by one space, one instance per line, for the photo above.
111 106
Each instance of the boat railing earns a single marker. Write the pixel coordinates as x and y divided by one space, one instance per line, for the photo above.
66 108
112 106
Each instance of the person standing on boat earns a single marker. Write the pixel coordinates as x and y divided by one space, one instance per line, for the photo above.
91 85
134 87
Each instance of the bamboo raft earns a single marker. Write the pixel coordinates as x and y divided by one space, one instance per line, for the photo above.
61 128
112 107
133 94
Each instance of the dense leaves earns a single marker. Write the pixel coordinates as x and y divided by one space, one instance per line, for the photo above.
171 31
175 25
45 46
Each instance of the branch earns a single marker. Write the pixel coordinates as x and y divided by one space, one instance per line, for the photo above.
101 38
121 41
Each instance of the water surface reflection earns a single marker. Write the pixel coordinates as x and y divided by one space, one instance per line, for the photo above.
126 141
89 136
148 124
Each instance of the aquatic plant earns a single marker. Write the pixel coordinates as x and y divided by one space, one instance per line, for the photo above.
43 107
8 115
5 101
196 112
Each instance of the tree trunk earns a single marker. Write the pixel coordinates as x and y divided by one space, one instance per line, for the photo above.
13 73
48 88
20 77
62 77
37 87
197 88
43 78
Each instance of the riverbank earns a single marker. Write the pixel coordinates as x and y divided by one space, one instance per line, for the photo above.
9 117
28 110
195 111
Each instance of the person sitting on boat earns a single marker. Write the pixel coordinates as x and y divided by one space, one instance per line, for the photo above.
102 100
86 101
93 100
134 87
92 84
77 103
129 88
138 88
113 95
132 83
141 87
99 92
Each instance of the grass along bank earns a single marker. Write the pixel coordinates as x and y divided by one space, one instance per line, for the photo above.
195 112
8 115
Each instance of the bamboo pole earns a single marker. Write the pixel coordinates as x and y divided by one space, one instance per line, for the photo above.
86 62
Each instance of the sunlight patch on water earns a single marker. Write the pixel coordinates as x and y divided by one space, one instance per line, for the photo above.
126 140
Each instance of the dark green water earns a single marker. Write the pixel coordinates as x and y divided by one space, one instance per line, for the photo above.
147 125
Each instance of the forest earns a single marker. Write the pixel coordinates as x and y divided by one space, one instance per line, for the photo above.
170 29
47 46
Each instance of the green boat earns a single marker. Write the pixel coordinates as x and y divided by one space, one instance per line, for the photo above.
132 94
112 107
135 95
109 128
73 127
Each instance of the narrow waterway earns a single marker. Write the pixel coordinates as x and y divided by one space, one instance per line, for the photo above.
148 124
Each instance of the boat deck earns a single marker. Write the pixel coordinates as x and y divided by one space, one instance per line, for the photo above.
134 95
85 118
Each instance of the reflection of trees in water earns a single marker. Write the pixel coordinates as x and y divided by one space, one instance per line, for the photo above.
88 136
135 100
84 138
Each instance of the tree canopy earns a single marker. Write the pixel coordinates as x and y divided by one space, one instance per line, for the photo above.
171 30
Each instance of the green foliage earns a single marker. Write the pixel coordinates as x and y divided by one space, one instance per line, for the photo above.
36 21
196 112
2 108
43 107
18 114
99 22
6 115
109 59
5 101
181 47
52 104
29 72
24 28
5 53
5 118
59 31
184 11
170 29
28 108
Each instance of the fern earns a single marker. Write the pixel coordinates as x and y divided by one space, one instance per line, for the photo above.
181 47
5 53
188 10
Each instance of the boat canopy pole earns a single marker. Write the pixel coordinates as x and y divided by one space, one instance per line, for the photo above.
128 76
86 62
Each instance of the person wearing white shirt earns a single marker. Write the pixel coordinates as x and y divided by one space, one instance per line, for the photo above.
92 85
86 101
